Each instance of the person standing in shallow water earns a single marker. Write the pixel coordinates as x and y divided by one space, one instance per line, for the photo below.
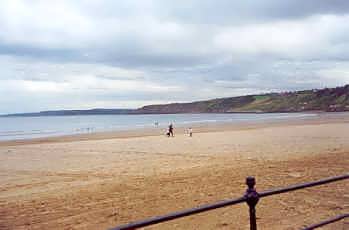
170 130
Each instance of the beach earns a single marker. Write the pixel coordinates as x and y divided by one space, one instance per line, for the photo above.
98 181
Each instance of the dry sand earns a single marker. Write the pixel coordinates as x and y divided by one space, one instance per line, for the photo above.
102 180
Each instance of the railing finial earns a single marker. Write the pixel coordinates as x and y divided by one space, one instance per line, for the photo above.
250 182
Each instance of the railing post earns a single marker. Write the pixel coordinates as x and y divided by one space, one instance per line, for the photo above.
252 198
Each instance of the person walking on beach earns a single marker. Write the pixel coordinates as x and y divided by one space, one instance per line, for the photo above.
190 132
170 130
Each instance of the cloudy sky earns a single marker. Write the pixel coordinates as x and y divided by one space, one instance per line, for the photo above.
124 54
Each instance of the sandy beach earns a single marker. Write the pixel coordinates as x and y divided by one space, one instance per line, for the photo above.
98 181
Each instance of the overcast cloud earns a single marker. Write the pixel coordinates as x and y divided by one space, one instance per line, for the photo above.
125 54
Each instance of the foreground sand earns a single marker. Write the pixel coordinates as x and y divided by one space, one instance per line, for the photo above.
102 181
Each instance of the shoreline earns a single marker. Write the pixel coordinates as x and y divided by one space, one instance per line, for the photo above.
318 118
116 114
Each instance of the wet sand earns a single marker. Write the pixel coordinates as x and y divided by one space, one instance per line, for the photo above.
98 181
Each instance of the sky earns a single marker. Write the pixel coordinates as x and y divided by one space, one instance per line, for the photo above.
86 54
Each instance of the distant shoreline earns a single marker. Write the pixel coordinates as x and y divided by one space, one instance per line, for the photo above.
315 100
107 114
321 118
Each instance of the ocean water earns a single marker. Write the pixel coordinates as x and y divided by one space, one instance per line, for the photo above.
13 128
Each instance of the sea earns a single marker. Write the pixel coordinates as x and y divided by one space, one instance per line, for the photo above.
15 128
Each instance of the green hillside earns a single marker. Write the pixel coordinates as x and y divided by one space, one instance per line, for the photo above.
328 99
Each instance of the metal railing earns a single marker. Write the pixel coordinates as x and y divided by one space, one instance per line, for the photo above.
251 197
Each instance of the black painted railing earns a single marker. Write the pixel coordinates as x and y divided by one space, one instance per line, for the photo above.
251 197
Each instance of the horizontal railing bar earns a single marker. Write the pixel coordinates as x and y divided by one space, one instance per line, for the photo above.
203 208
329 221
304 185
175 215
